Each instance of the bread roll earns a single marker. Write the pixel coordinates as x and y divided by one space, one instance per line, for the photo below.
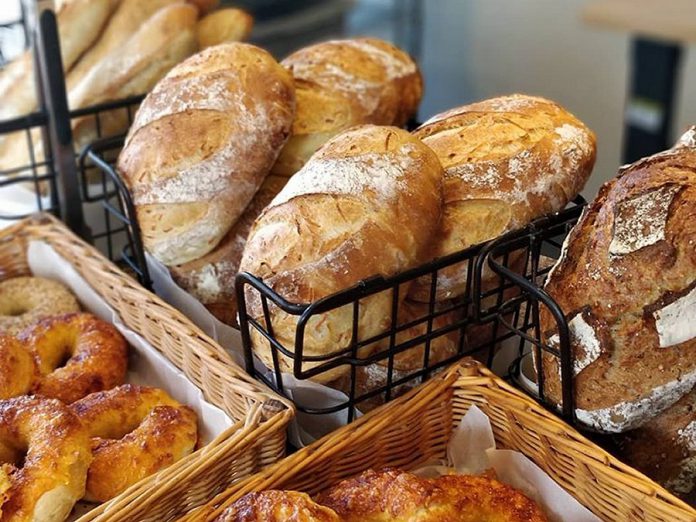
342 83
365 204
205 6
664 448
626 281
507 161
201 145
210 279
225 25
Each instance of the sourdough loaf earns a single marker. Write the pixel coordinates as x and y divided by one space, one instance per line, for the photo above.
507 161
626 281
210 279
365 204
201 145
341 83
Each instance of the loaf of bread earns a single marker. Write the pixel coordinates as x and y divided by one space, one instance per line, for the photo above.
365 204
201 145
507 161
626 281
210 279
664 448
342 83
222 26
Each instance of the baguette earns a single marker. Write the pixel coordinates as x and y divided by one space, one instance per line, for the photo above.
223 26
365 204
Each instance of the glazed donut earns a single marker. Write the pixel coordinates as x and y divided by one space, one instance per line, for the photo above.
52 477
277 506
136 431
26 300
18 370
94 354
396 495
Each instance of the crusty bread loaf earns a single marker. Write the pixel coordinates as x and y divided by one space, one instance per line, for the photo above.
664 448
507 161
210 278
205 6
222 26
342 83
626 281
201 145
365 204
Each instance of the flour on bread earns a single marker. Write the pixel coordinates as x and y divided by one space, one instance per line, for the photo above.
676 322
584 337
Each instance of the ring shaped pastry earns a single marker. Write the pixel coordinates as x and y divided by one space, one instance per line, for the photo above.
26 300
136 431
18 370
47 483
78 354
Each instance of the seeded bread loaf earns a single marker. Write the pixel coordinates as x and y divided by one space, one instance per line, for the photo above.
201 145
365 204
342 83
626 281
507 161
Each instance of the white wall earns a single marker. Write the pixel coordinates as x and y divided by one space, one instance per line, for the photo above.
475 49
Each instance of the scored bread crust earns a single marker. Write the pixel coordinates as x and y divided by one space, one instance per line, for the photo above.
201 145
342 83
366 204
626 281
507 160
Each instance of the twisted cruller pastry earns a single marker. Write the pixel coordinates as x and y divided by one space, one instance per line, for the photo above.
392 495
136 431
77 354
46 484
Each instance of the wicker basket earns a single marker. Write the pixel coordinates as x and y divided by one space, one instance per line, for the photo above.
257 437
415 429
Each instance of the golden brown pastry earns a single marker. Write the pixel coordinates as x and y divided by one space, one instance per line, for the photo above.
18 369
277 506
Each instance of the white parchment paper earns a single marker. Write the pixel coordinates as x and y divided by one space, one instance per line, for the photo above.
472 451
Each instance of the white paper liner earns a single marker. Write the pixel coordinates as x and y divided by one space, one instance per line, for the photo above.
146 365
471 450
305 428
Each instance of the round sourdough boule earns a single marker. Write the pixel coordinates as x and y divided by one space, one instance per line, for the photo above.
201 145
342 83
367 203
44 485
26 300
626 281
507 160
210 279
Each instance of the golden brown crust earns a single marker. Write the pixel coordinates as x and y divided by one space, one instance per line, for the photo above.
136 431
26 300
400 496
507 161
222 26
367 203
342 83
52 476
627 283
18 369
97 356
277 506
219 119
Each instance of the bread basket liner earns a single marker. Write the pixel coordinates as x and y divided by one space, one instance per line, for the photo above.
243 425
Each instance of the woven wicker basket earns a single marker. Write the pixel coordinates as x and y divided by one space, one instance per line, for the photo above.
415 429
257 437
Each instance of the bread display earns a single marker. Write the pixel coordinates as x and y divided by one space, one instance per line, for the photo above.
219 120
626 281
341 83
507 161
365 204
210 278
223 26
395 495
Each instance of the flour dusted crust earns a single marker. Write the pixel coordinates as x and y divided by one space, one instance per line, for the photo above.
210 279
342 83
629 270
507 160
201 145
366 204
